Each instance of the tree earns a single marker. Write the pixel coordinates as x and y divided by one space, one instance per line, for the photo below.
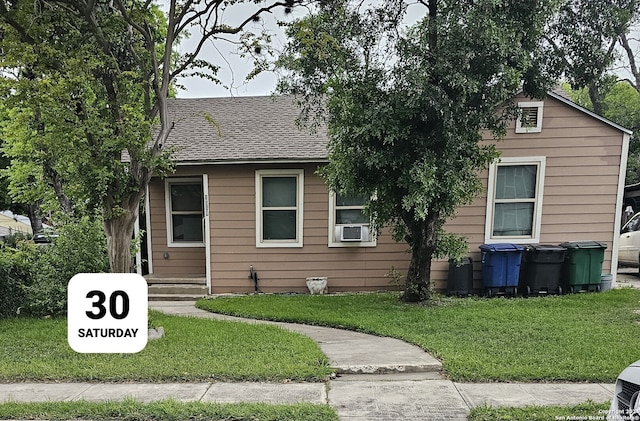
32 208
404 109
591 40
620 104
87 81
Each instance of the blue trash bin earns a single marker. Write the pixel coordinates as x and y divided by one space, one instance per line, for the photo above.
501 268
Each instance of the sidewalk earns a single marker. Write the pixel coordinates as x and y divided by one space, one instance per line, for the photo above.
381 398
378 379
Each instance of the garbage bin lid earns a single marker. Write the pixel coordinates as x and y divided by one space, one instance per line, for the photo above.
501 247
584 245
544 247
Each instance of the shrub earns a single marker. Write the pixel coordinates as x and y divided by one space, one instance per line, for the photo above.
15 239
16 271
80 247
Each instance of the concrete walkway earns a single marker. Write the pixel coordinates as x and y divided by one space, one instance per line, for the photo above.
387 379
378 379
349 352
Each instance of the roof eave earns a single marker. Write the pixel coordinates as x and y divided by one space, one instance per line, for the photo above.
190 163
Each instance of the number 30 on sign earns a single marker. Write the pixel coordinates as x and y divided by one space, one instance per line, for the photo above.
107 313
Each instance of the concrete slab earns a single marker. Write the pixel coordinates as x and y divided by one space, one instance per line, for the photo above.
609 387
525 394
41 392
427 375
397 400
627 277
354 353
273 393
145 392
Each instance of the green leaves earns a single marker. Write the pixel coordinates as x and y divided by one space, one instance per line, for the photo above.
404 106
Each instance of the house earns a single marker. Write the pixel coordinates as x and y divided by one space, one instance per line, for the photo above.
11 223
245 198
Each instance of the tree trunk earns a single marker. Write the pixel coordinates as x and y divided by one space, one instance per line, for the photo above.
35 216
418 282
119 232
594 96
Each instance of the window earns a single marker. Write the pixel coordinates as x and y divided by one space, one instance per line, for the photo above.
348 224
530 119
184 201
279 204
514 203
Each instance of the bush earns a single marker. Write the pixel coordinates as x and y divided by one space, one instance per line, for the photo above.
15 239
80 247
16 271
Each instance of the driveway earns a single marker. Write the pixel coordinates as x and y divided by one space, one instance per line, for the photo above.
628 277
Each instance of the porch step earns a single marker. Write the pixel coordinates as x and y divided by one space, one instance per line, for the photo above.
174 297
176 279
176 288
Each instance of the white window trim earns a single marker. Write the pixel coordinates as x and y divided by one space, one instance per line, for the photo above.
541 163
167 201
538 127
333 242
299 174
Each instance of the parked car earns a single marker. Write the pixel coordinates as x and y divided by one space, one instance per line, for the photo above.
625 404
629 245
46 236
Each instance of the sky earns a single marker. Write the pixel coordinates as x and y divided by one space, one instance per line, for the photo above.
233 68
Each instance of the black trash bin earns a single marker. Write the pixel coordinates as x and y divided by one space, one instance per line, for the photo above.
541 270
460 277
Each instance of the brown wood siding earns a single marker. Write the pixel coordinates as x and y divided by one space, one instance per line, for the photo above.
579 203
233 241
580 186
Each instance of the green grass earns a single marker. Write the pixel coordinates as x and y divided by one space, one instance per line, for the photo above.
580 337
192 350
165 411
584 411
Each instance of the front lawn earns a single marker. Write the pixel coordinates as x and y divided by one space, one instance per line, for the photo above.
165 411
587 337
193 350
583 411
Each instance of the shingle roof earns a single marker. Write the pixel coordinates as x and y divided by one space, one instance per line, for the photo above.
254 129
210 130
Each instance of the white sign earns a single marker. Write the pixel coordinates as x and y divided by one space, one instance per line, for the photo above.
107 313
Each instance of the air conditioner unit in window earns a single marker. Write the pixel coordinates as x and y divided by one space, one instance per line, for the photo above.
346 233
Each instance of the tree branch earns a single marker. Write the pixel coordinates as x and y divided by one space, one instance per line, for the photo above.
222 29
6 15
632 60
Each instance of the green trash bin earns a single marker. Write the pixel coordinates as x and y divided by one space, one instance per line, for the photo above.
583 266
